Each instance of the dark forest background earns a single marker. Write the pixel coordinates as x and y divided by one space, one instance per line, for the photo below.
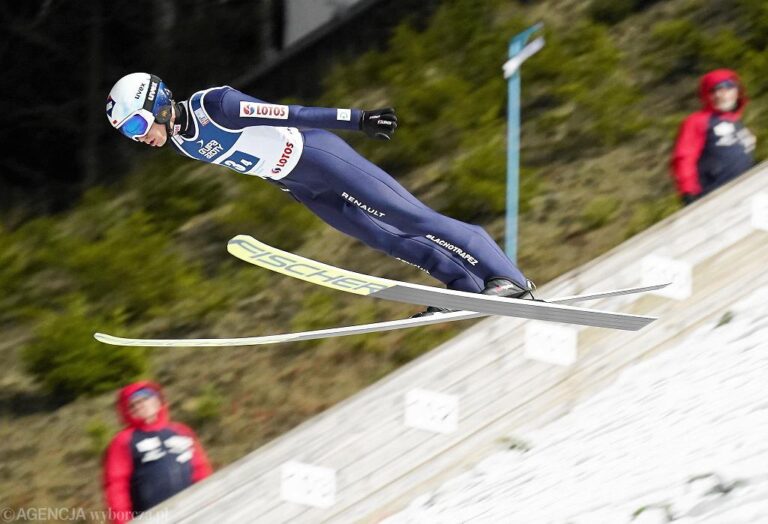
61 57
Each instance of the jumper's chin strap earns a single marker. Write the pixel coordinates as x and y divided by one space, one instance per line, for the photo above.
180 122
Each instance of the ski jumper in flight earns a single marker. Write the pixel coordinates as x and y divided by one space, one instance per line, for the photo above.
289 146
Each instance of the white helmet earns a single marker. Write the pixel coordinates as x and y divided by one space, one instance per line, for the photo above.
136 101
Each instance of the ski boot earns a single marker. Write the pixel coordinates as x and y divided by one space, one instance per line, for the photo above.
497 286
431 310
504 287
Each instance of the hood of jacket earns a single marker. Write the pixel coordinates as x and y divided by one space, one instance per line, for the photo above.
711 79
138 423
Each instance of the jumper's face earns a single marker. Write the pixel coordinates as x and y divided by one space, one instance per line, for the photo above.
145 408
725 98
156 136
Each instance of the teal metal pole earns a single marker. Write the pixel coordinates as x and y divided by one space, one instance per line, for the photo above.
512 73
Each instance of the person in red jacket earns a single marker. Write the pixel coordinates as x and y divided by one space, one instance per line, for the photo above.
713 146
152 458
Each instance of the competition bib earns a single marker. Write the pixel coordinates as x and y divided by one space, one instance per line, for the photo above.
263 151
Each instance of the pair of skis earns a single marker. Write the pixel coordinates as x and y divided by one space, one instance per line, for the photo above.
468 305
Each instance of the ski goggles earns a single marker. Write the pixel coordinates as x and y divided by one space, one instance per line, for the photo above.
137 125
141 394
725 84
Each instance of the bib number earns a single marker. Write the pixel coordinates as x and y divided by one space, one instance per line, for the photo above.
241 162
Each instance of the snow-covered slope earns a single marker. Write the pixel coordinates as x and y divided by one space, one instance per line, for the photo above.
683 434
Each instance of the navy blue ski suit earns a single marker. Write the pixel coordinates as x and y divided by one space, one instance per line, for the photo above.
288 145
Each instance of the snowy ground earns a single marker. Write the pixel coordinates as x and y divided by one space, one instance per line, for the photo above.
682 438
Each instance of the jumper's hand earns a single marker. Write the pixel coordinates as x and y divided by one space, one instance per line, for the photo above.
379 123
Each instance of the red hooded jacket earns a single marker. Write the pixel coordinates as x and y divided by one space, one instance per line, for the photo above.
712 147
148 463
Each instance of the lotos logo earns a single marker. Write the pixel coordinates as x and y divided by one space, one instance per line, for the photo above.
256 110
280 164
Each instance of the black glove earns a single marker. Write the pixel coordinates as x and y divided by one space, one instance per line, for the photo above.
689 198
379 123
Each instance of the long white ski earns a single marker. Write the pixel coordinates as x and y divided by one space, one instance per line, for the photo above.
260 254
404 323
292 337
255 252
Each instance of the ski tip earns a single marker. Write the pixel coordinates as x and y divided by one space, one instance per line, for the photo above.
113 340
125 342
238 239
104 338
